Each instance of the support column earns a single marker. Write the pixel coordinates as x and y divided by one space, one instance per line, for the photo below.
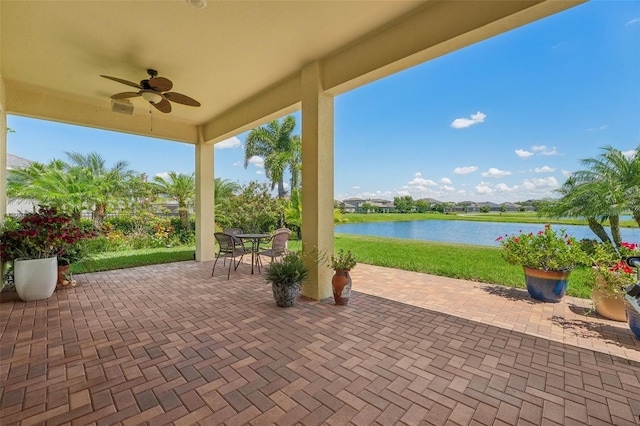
3 154
205 203
317 178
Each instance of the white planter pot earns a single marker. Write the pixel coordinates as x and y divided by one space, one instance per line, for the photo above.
35 279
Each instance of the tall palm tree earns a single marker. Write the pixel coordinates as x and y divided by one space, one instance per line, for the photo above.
110 183
603 191
280 150
179 187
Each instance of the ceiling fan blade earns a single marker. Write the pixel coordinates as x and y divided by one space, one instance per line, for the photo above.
163 106
181 99
125 95
119 80
160 84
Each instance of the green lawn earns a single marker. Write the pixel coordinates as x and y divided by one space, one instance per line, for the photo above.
475 263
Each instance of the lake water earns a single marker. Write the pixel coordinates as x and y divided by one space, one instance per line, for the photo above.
466 232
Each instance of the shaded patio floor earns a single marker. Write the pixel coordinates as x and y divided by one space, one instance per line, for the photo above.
168 344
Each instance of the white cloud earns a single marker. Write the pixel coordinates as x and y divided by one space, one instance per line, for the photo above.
541 183
418 180
238 164
461 192
566 173
446 181
603 127
230 143
523 154
544 169
495 173
483 188
355 187
163 175
629 154
544 150
633 21
447 188
464 170
503 187
257 161
259 172
461 123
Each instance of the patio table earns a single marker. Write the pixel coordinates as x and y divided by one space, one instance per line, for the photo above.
255 244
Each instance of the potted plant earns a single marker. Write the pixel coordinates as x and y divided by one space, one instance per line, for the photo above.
612 276
547 259
342 263
286 277
34 244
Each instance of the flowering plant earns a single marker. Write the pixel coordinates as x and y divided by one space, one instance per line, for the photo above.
608 262
43 234
343 261
545 250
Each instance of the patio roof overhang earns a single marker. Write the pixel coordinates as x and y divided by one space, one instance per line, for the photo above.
247 62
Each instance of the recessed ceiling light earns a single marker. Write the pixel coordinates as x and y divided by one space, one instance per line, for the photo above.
197 4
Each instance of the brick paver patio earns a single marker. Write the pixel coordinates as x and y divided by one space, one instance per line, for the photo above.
168 344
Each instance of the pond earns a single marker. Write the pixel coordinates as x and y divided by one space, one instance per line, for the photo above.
465 232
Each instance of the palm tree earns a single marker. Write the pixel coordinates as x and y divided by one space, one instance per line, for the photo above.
280 150
603 191
224 189
179 187
110 184
56 185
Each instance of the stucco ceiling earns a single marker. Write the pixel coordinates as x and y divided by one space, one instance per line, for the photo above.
223 55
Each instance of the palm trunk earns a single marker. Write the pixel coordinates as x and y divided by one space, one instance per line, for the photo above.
636 216
598 229
614 223
98 216
281 188
184 216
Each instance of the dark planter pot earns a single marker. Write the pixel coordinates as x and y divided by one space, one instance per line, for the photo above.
633 318
285 295
547 286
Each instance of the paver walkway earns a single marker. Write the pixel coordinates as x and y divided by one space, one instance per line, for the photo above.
168 344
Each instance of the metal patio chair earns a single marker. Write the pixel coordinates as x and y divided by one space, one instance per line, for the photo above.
278 245
227 248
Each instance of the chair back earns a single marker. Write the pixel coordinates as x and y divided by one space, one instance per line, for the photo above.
279 241
233 232
225 241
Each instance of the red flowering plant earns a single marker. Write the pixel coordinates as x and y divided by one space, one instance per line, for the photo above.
45 233
609 264
546 250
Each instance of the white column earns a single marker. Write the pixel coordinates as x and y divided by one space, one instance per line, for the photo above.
317 178
205 203
3 154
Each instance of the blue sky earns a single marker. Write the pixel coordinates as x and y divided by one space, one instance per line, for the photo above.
507 119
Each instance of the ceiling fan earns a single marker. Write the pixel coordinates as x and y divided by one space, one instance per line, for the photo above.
155 91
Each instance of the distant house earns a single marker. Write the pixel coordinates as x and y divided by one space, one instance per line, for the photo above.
354 205
15 207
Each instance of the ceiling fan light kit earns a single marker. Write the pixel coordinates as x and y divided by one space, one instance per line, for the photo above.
153 90
151 97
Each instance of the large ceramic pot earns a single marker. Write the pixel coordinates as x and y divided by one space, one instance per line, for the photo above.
547 286
285 295
633 319
608 304
35 279
341 283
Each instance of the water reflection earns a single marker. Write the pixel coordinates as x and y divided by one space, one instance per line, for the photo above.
465 232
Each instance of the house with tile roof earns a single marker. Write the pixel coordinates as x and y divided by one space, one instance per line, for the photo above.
15 207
